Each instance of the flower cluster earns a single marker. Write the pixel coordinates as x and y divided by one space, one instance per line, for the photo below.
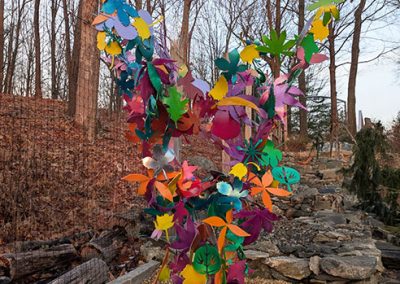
207 222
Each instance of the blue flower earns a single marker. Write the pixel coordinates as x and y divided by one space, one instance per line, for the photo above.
124 10
233 194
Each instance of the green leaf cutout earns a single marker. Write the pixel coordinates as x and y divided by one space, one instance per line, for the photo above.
206 260
310 47
273 155
176 106
286 175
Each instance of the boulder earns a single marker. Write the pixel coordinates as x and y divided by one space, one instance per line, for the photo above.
314 264
291 267
390 255
349 267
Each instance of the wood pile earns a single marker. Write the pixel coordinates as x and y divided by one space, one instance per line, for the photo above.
80 258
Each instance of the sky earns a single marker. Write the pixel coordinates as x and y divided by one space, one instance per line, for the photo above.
378 82
378 91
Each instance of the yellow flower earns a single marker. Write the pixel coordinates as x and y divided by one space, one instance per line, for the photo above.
192 276
327 9
165 274
164 222
319 30
249 53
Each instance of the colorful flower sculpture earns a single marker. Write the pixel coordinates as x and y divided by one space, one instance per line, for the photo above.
206 223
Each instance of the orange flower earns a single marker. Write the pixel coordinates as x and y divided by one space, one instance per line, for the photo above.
264 186
219 222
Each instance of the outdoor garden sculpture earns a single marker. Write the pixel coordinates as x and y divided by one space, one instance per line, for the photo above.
211 220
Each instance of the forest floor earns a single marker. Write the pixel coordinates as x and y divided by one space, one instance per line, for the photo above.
53 182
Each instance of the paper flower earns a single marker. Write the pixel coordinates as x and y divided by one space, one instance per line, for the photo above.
219 222
320 31
163 223
286 175
249 53
160 160
123 9
239 170
264 187
233 194
191 276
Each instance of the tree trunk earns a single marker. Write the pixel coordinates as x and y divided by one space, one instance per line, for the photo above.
54 79
38 71
94 271
332 79
184 42
302 81
355 53
13 46
1 44
138 4
73 56
88 71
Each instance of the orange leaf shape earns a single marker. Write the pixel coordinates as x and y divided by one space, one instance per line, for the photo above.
214 221
254 179
267 179
100 19
238 231
218 277
142 179
256 190
278 191
221 239
163 190
267 200
229 216
136 178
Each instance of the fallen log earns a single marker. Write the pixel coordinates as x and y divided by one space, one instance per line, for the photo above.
94 271
18 265
106 246
77 240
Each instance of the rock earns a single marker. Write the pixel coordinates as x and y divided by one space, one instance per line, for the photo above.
255 255
330 217
276 210
202 163
322 202
349 267
265 246
151 252
291 267
331 236
314 264
390 255
330 174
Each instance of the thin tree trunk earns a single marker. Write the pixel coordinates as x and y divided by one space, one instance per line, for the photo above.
302 80
38 71
355 53
13 47
184 42
88 72
74 58
1 44
54 79
332 76
138 4
28 87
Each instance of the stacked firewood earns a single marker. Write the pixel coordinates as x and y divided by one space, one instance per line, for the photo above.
81 258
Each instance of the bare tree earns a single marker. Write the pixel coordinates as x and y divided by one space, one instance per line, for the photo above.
333 87
53 38
17 16
1 43
302 79
88 71
38 72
